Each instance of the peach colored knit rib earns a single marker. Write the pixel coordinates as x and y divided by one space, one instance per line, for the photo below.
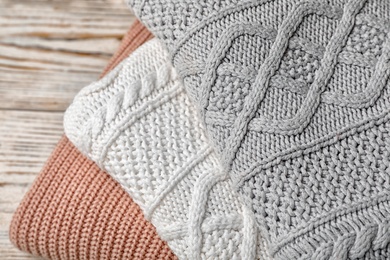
76 211
134 38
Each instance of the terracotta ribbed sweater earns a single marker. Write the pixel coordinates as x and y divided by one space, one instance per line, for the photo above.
76 211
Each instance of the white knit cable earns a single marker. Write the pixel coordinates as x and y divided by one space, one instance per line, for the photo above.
141 127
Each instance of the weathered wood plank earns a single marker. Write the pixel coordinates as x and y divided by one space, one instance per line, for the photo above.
63 40
49 50
26 140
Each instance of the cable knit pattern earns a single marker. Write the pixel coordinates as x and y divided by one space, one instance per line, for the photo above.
138 124
295 96
75 211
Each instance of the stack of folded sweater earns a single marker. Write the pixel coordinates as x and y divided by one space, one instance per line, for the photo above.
244 130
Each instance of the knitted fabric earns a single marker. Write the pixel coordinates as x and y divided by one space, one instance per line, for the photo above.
74 210
138 124
295 96
134 37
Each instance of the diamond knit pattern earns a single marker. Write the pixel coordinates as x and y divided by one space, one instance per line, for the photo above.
139 125
295 96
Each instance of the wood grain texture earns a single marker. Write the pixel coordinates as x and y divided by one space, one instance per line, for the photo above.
49 50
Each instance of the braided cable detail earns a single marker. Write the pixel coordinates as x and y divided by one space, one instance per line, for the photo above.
130 136
137 90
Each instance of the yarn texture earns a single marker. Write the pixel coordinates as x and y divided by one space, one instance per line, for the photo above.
74 210
295 97
139 125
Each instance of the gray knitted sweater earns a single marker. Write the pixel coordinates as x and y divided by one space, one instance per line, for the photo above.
295 96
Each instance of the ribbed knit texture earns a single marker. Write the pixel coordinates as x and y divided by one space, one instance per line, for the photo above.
295 96
139 125
134 37
74 210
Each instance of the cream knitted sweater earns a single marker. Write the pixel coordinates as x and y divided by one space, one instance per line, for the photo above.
138 124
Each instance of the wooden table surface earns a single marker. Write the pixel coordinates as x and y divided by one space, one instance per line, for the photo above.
49 50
